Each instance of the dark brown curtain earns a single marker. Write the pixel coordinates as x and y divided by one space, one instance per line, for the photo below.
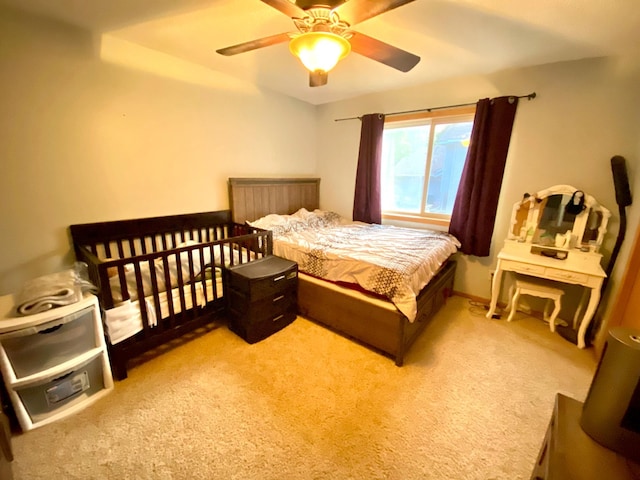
474 211
366 202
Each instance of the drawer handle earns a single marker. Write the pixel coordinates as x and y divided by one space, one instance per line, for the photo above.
277 279
568 276
278 318
51 329
277 299
62 377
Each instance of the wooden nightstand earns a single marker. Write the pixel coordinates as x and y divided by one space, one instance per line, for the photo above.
569 453
262 297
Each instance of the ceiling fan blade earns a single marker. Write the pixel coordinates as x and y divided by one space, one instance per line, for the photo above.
383 52
286 7
254 44
356 11
318 78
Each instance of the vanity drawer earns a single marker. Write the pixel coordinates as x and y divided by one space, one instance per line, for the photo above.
527 268
566 276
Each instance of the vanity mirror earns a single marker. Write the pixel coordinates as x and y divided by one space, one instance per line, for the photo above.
561 216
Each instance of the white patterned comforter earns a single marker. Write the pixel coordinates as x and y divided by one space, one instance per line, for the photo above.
390 261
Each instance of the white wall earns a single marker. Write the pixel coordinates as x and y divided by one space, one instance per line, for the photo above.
83 140
585 112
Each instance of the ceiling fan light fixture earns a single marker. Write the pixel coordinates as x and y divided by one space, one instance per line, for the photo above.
319 51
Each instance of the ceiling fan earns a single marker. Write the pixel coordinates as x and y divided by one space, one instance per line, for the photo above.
324 35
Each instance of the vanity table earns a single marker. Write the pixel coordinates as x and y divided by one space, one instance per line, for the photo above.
556 234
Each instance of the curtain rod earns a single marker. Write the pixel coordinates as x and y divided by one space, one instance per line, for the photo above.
531 96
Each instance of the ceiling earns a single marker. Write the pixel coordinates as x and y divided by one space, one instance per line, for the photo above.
452 37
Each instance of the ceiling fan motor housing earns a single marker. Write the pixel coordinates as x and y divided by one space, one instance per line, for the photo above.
322 19
315 20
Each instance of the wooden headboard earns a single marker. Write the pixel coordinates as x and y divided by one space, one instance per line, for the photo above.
252 198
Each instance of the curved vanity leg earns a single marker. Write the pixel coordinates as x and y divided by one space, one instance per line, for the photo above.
594 298
512 289
545 312
514 305
554 314
495 290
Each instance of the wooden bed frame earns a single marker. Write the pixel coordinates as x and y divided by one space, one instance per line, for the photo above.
372 322
107 247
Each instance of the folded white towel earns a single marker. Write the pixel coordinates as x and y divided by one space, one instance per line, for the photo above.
53 290
47 300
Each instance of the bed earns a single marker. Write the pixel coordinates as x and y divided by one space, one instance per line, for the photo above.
161 277
361 311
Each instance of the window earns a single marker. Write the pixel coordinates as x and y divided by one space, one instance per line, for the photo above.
422 159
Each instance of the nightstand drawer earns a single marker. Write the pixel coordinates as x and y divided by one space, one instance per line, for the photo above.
264 278
253 332
269 307
273 286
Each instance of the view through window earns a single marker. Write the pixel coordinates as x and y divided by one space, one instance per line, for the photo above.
422 161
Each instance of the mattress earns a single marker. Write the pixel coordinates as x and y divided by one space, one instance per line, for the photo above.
125 319
394 262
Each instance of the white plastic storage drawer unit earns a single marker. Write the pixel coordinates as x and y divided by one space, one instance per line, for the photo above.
31 350
54 363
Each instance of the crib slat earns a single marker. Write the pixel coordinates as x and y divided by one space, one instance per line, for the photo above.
141 296
192 284
168 288
155 292
123 283
180 283
120 249
132 248
203 273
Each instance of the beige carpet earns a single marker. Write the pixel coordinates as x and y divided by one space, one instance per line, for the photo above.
472 402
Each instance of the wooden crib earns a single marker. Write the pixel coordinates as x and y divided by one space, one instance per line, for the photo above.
161 277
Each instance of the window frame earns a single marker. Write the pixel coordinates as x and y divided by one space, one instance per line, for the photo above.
460 114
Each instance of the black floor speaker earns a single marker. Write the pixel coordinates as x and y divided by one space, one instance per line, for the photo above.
611 411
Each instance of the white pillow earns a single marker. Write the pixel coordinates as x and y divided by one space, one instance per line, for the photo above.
270 221
302 214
